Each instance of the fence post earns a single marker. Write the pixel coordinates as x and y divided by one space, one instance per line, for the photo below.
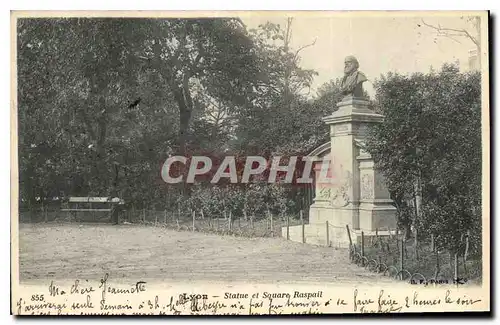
210 220
165 217
416 244
466 246
349 235
156 218
144 215
303 227
251 220
230 220
194 217
456 268
466 251
178 216
402 257
397 238
432 242
287 227
362 248
436 273
380 241
271 221
272 225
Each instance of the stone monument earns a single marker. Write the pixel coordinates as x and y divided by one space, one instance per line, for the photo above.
354 193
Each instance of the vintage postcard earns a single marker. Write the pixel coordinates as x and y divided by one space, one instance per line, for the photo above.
250 163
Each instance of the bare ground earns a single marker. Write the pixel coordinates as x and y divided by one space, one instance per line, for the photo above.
70 251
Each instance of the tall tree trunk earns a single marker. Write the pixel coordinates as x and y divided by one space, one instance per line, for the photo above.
185 103
418 199
288 68
102 174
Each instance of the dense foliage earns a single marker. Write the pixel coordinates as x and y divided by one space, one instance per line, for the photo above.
103 102
429 149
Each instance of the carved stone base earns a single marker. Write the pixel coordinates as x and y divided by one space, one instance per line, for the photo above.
355 102
353 110
336 217
379 214
316 234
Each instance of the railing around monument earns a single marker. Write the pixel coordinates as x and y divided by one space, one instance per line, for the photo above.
413 261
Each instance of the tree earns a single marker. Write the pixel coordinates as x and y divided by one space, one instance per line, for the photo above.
191 57
432 135
470 31
279 105
274 119
112 88
124 94
85 75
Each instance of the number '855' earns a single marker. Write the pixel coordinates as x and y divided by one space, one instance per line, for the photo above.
37 298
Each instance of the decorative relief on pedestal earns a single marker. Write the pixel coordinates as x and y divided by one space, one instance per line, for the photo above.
362 148
366 187
363 152
340 196
325 193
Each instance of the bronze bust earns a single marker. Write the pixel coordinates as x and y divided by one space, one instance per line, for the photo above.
352 83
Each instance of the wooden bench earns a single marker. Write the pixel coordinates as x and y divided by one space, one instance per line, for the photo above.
79 207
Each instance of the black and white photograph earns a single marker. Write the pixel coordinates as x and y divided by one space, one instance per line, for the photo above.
250 163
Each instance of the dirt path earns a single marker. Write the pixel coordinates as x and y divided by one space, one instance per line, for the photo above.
66 252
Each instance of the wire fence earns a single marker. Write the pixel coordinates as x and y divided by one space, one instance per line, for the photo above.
415 260
181 219
321 234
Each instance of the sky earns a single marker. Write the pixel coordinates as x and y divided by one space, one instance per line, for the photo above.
381 43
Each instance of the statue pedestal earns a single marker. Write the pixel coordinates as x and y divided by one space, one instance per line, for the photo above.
348 127
356 195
